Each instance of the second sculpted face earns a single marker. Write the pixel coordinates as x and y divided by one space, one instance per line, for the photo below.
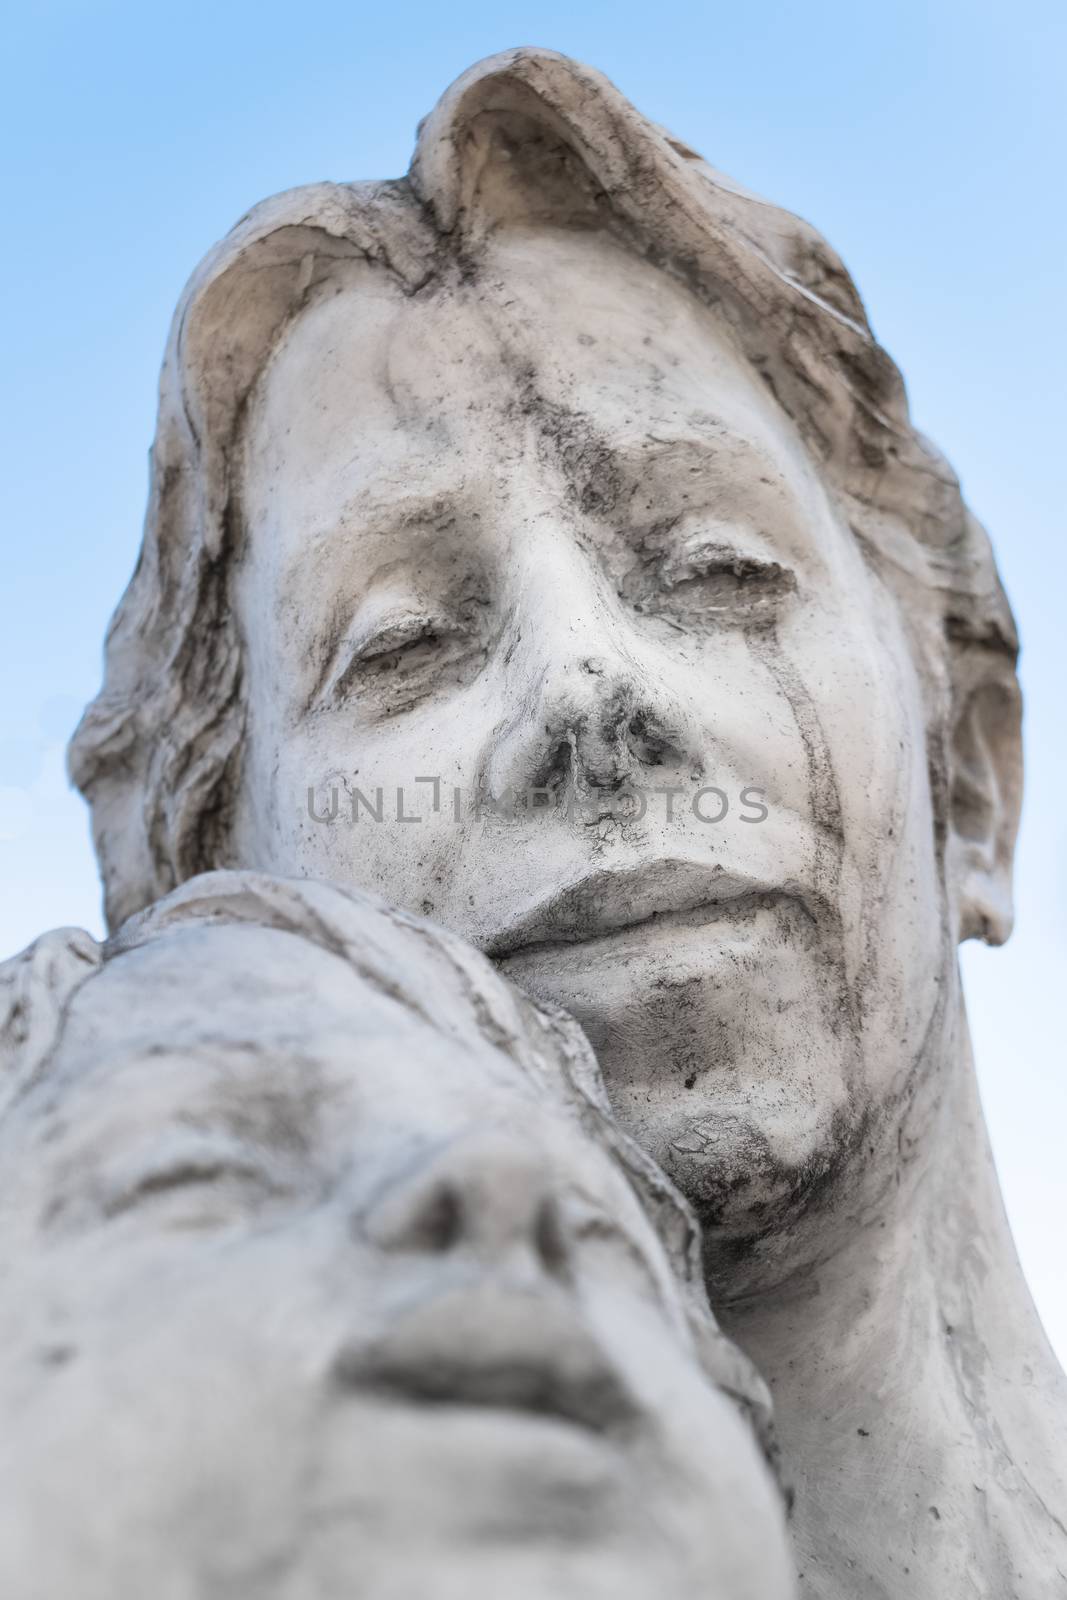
335 1300
548 531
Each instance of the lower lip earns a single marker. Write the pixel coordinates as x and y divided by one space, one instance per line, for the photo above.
733 921
504 1461
447 1415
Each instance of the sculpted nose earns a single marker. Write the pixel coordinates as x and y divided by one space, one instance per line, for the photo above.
597 719
592 704
490 1195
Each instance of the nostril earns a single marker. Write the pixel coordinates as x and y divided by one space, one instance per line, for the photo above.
550 1240
652 748
439 1223
555 771
430 1220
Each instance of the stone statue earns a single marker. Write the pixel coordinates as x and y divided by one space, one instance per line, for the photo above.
541 541
327 1272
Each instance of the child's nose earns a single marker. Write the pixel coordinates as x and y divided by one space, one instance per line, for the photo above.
490 1194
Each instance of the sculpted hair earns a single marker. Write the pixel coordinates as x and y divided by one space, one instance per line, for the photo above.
36 987
527 136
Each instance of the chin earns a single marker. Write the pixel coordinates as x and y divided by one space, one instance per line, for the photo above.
757 1113
764 1201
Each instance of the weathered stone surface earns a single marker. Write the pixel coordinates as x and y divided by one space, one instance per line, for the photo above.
492 503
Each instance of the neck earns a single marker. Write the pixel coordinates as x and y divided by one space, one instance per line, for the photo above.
920 1409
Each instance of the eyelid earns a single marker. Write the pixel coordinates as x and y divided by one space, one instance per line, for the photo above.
396 633
707 558
704 528
384 631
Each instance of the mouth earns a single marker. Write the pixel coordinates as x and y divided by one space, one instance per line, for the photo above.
515 1386
506 1353
666 893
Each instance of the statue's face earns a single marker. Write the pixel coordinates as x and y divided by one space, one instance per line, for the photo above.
548 530
296 1289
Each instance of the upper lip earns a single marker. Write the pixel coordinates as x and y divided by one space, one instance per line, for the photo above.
512 1351
605 901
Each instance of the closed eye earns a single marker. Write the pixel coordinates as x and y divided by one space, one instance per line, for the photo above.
217 1165
727 576
380 651
705 580
405 657
398 637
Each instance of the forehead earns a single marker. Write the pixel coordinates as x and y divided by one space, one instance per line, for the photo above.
367 377
261 1035
259 1008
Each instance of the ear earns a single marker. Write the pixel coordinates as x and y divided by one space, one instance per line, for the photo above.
985 790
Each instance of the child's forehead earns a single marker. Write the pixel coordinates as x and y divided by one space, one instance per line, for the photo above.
318 1086
211 1006
215 975
214 1029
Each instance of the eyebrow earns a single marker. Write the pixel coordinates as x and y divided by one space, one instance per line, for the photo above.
631 454
373 517
690 450
396 511
382 514
593 461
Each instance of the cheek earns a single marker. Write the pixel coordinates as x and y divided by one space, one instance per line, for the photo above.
717 1474
370 804
198 1443
189 1369
858 694
859 674
863 689
654 1355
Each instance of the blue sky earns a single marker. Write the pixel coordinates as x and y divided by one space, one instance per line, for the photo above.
925 141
